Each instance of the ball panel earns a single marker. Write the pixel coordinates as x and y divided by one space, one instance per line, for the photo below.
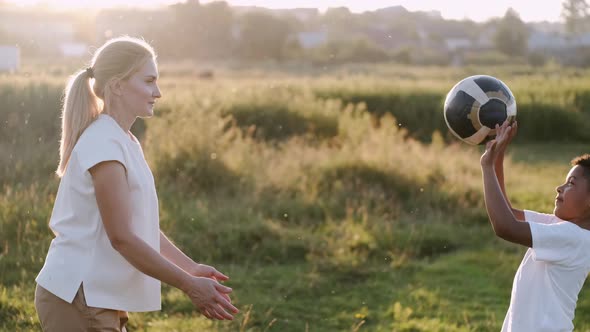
468 85
489 84
474 116
497 95
493 112
511 109
479 137
458 119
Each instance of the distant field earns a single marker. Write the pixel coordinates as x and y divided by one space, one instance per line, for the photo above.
334 197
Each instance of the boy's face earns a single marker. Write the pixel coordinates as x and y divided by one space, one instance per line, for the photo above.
573 197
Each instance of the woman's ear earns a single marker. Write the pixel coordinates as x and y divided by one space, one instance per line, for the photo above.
116 87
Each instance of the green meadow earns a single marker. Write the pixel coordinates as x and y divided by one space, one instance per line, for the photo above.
334 197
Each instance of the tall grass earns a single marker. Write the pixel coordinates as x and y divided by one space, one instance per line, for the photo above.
336 202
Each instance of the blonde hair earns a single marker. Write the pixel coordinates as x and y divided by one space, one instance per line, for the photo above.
116 60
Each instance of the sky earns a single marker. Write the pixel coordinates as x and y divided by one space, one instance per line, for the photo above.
529 10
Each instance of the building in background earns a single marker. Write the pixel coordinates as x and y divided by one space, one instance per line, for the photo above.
9 58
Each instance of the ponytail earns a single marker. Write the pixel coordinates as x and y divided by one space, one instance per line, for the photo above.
80 108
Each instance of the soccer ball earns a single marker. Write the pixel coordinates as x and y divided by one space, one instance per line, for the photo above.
475 105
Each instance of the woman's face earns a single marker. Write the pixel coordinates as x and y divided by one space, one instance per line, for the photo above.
140 91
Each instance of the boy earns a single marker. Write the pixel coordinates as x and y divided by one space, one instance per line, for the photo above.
553 270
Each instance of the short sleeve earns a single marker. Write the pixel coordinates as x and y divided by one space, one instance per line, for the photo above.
554 243
540 218
96 152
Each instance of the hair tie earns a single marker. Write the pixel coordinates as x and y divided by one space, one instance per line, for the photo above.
90 72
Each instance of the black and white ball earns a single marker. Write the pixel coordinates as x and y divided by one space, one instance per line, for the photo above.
475 105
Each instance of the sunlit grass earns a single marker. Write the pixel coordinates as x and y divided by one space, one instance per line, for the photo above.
326 218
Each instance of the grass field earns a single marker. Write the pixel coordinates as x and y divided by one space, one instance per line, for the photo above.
333 198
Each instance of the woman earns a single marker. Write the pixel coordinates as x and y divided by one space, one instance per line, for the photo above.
109 255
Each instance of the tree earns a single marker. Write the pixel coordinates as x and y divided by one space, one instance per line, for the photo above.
202 31
341 23
338 15
263 36
215 29
183 30
511 36
576 15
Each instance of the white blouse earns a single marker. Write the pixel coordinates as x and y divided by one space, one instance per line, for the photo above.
81 251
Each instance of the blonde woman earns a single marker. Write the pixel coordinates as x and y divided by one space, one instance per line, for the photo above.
109 255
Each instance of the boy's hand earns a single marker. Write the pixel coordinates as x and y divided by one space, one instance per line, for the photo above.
496 147
506 129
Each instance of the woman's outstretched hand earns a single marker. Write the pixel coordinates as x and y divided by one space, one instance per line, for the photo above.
206 271
211 298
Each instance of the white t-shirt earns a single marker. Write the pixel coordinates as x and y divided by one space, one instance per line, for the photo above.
550 276
81 251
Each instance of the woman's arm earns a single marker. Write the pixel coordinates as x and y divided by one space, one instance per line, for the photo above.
113 199
180 259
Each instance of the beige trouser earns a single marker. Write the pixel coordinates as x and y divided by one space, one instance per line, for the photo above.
57 315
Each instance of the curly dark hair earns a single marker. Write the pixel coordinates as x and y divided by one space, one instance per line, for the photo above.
584 161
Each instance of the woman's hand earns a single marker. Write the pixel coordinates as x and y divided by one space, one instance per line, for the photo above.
206 271
210 297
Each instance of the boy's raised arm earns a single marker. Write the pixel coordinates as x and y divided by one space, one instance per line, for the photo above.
499 168
502 218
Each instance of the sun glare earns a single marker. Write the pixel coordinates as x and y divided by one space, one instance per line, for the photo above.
451 9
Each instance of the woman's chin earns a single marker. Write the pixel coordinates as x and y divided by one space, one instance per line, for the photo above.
148 114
